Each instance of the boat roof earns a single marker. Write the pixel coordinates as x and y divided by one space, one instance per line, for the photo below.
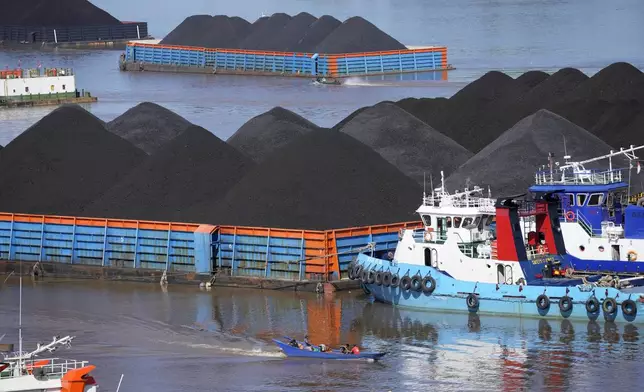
562 188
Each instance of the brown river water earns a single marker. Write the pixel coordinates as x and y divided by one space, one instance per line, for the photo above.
187 339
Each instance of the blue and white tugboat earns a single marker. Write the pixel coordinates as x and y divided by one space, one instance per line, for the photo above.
477 270
603 231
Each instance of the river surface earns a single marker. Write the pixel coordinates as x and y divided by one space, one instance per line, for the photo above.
509 35
184 338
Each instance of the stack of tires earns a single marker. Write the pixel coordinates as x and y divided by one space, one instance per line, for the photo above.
380 277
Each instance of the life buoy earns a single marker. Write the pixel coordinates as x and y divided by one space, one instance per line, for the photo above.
541 250
428 284
472 302
570 216
629 308
565 304
632 255
609 306
428 236
592 305
543 302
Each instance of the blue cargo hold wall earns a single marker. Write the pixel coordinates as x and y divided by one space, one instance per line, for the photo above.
192 248
105 242
60 34
288 63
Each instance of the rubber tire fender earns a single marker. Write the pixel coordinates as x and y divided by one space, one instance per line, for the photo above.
386 279
378 278
405 282
350 271
543 302
371 277
428 284
395 280
592 305
364 276
565 304
629 308
357 272
472 301
416 282
609 306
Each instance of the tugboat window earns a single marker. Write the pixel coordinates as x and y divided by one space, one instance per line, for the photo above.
467 222
457 221
581 199
595 199
427 220
571 199
449 222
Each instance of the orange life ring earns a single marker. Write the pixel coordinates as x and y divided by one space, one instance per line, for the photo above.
632 255
428 236
570 216
541 249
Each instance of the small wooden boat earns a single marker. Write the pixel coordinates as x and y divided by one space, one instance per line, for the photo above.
291 351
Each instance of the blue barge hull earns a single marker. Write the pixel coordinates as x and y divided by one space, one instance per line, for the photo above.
454 295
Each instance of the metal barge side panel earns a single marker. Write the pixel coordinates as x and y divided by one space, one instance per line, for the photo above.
166 57
59 34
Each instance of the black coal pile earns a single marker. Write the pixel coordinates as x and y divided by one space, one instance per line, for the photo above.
287 38
532 78
63 162
618 81
194 167
324 179
207 31
415 148
552 89
281 32
263 35
509 163
148 126
357 35
316 33
480 112
429 110
55 13
269 131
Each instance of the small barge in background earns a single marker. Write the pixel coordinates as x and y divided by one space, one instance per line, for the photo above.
37 87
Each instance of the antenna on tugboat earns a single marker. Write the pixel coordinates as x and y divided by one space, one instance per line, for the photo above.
424 187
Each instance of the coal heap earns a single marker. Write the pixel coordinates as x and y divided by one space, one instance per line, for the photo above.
481 111
56 13
508 164
286 39
324 179
148 126
357 35
532 78
269 131
429 110
194 167
63 162
316 33
415 148
551 89
207 31
618 81
264 33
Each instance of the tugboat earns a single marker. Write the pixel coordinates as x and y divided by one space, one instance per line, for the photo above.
603 231
325 80
37 87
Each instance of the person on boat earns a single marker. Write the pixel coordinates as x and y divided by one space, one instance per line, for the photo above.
355 350
306 341
294 343
345 349
324 348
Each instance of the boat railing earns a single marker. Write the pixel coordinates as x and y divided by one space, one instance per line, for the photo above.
579 177
421 235
441 201
54 368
